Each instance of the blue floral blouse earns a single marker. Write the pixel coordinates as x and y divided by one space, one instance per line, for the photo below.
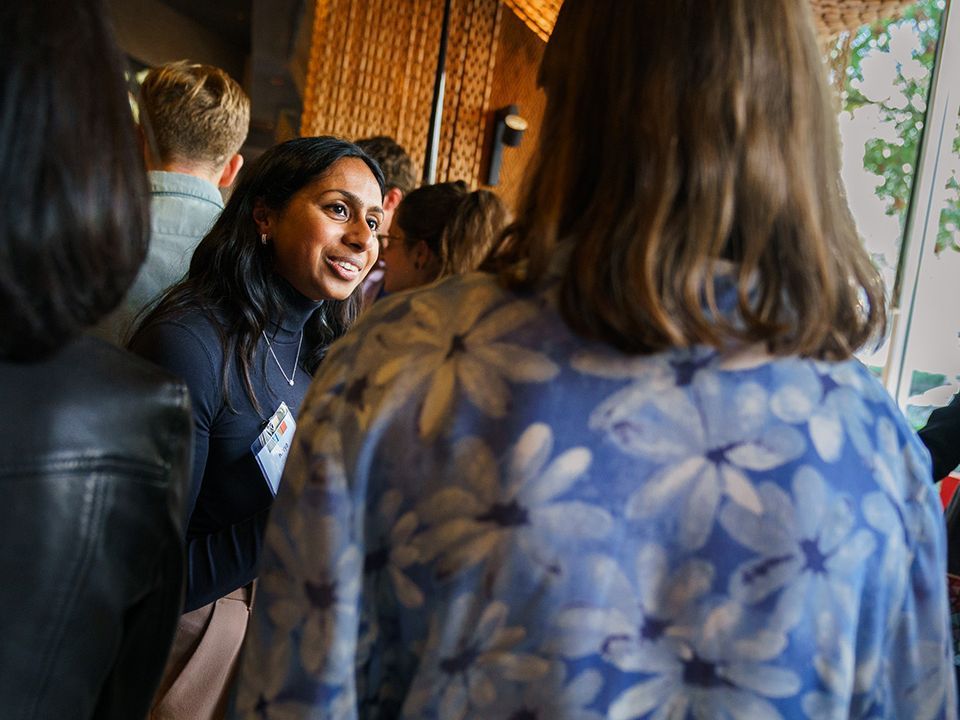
485 516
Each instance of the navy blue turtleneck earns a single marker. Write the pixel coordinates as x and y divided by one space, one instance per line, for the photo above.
229 500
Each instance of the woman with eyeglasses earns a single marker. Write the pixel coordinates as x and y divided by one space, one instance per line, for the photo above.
440 230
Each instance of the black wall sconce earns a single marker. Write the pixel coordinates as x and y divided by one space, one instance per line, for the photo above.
508 129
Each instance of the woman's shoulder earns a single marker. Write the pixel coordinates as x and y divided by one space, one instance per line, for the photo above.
188 344
453 307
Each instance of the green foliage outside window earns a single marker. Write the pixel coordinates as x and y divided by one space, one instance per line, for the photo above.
894 161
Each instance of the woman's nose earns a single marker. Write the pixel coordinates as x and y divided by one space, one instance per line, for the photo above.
359 236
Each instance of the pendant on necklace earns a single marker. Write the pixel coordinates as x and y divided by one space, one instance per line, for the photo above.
293 370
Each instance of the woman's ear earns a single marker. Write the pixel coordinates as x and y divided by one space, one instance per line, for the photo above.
264 217
424 258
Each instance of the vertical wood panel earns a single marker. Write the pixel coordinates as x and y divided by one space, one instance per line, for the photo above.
372 67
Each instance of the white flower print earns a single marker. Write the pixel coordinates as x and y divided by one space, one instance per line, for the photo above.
705 438
341 706
636 537
649 375
881 514
718 667
830 398
632 631
321 608
929 692
315 459
310 623
809 547
894 463
471 656
395 552
480 518
260 700
459 343
834 666
849 683
551 697
676 370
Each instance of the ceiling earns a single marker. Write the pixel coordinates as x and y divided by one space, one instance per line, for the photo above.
230 19
263 35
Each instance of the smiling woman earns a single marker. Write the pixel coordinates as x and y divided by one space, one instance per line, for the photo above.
324 237
273 283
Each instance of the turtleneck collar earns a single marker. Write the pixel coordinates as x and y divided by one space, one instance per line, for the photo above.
297 309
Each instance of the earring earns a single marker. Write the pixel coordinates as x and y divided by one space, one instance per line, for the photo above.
263 238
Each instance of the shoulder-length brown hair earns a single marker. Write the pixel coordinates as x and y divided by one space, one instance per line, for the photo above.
677 134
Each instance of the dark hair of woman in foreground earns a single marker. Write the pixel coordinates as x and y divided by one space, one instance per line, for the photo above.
66 261
739 161
98 442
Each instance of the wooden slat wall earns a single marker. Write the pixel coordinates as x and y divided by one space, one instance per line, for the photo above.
372 67
831 16
471 54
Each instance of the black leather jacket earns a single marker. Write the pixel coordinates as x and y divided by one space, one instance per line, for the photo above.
941 435
95 451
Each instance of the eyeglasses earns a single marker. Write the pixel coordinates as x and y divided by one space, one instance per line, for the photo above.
385 240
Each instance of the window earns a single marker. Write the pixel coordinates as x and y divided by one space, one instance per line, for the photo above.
901 164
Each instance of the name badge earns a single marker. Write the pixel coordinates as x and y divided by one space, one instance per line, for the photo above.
272 445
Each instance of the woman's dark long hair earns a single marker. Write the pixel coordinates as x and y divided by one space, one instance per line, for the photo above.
231 277
73 191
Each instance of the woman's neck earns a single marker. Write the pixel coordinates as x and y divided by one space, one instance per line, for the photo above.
297 309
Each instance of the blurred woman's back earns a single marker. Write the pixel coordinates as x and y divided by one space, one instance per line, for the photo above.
440 230
639 475
96 442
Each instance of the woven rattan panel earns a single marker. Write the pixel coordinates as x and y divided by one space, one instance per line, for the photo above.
836 16
832 16
372 69
538 15
471 54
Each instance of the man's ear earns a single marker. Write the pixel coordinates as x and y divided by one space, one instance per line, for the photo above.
264 217
391 199
230 170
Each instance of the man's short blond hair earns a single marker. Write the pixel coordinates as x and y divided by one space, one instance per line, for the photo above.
196 113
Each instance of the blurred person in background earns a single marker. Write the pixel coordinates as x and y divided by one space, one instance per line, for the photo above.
440 230
194 118
399 179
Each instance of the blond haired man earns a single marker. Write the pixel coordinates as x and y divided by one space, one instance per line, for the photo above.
193 120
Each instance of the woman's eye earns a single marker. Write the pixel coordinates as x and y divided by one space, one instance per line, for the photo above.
338 209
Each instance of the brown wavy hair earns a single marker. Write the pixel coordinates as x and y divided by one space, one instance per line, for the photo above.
472 232
678 134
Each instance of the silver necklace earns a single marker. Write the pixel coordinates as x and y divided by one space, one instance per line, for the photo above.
293 373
